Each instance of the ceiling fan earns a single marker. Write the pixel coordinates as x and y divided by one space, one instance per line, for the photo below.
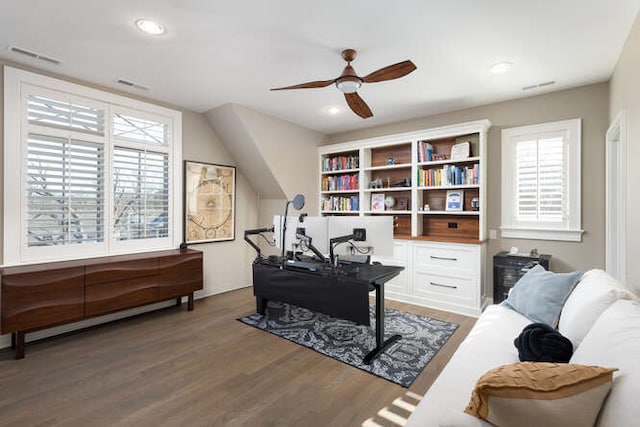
349 82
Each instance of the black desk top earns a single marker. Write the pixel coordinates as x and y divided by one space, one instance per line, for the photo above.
369 273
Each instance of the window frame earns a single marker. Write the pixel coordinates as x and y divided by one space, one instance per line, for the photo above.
17 85
570 228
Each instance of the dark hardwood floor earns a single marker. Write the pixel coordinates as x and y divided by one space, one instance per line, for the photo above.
201 368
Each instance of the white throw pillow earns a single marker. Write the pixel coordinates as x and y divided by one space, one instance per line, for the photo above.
614 340
595 292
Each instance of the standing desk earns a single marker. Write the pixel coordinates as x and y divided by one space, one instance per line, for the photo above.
341 292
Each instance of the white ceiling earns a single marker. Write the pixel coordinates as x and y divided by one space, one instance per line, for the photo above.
216 52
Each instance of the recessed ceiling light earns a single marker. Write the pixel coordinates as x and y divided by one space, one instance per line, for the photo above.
500 67
150 26
334 110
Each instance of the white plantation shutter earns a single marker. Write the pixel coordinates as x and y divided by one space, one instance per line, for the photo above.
540 167
65 191
136 129
62 113
541 181
141 194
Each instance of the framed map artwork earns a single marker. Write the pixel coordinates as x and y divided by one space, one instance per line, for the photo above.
209 202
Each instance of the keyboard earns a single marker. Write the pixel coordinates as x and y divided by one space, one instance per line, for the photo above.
303 265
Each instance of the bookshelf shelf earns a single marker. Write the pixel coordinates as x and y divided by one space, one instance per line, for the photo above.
449 187
386 190
340 191
387 212
448 162
340 172
451 213
388 167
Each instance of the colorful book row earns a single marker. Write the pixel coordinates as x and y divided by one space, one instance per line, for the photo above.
338 163
340 182
449 175
339 203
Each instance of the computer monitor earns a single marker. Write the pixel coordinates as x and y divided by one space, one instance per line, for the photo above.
312 226
379 230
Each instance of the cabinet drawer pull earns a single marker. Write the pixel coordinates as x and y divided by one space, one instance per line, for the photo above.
443 285
444 258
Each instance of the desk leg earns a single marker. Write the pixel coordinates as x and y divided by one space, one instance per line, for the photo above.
381 344
261 305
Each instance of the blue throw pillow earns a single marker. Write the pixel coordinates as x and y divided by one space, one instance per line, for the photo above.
540 294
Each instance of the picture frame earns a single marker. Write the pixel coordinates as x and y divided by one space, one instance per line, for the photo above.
403 204
209 199
455 200
461 151
377 202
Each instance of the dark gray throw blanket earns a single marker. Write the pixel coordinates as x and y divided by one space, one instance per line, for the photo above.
539 342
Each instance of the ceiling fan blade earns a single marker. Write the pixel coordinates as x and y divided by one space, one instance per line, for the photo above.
358 105
391 72
308 85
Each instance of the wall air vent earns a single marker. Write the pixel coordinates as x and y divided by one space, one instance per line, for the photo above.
132 84
34 55
540 85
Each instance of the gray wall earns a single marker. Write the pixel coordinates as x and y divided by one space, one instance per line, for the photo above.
589 103
625 95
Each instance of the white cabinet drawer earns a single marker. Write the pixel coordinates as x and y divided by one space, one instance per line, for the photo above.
445 287
463 259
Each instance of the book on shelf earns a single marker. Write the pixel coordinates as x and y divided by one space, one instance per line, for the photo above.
340 182
338 163
425 151
340 203
448 175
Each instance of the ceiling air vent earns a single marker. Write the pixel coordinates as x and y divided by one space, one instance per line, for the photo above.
34 55
539 85
132 84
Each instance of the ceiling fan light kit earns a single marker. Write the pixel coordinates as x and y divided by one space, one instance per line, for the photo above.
349 82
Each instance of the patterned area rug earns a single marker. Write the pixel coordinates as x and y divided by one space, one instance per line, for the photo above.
348 342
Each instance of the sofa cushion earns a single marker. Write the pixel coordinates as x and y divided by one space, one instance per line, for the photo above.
540 393
614 340
540 294
595 291
539 342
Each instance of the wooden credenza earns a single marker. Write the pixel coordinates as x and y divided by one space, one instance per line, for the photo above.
40 296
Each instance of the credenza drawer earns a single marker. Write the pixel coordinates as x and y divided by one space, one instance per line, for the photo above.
112 296
462 258
126 270
36 299
177 276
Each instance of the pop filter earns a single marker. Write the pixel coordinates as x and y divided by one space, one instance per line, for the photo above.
298 203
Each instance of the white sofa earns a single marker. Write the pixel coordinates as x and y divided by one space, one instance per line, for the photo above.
600 318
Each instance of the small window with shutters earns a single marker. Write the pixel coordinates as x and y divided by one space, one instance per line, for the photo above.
87 173
541 181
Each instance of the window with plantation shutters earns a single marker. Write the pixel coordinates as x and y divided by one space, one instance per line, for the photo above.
541 181
65 191
87 173
141 194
